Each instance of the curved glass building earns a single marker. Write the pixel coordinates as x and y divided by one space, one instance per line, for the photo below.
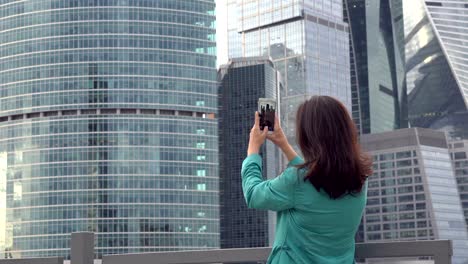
437 65
378 83
107 124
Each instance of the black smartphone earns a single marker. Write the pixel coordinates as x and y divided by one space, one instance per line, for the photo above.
267 111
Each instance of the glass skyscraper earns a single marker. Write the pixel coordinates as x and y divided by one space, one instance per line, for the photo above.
412 194
241 83
459 154
108 124
355 95
308 42
437 65
378 82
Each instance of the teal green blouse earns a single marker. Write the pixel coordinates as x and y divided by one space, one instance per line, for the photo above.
311 227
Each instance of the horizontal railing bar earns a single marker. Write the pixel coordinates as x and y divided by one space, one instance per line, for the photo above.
441 250
404 249
56 260
192 257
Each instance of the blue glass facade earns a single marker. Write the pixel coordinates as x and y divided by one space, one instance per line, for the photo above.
379 101
242 83
436 65
108 124
308 42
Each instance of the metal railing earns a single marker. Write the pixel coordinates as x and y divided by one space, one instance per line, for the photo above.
82 252
32 261
440 250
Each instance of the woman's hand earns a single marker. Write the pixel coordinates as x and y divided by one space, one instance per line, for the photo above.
278 137
257 137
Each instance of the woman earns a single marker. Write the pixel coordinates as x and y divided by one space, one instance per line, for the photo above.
320 198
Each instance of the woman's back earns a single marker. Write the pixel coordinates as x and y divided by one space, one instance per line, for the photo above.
327 227
314 228
319 199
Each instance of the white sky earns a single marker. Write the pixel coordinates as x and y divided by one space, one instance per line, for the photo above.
221 31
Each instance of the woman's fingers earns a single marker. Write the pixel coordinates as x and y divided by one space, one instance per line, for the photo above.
257 120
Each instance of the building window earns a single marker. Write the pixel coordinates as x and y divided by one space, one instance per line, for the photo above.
404 172
389 208
422 224
390 226
388 191
420 197
407 234
201 214
388 173
387 165
374 236
408 225
403 163
390 217
388 200
405 180
422 233
459 155
406 216
387 156
402 155
390 235
372 218
434 3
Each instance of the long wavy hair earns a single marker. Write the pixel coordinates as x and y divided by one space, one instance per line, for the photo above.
328 139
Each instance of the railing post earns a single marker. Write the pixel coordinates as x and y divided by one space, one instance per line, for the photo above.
444 256
82 248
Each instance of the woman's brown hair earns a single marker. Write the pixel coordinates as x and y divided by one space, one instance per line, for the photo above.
328 139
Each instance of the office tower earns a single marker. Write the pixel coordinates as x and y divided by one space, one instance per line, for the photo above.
378 80
355 95
459 154
412 194
437 83
107 124
234 40
307 41
241 83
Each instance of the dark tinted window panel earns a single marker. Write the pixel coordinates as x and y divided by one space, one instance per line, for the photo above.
51 113
127 111
185 113
33 115
69 112
108 111
167 112
434 3
17 117
323 22
459 155
88 112
143 111
385 90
